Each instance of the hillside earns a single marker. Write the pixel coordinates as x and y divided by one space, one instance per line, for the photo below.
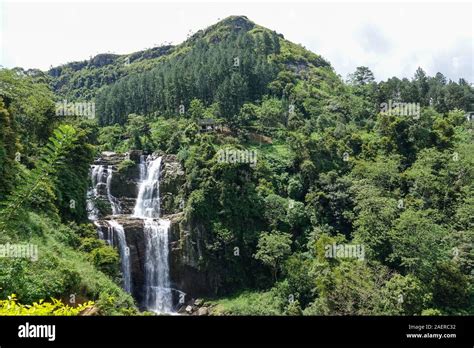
264 183
81 80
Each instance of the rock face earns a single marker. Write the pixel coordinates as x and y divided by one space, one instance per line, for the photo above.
133 229
124 185
103 59
186 266
110 158
125 178
171 185
203 311
187 269
135 241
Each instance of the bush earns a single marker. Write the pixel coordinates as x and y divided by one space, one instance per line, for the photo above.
450 288
247 303
404 295
106 259
126 167
430 312
61 270
11 307
89 244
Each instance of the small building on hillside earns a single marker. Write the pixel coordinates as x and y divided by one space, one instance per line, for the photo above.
207 125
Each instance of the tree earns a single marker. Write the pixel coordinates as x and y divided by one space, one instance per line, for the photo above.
404 295
362 76
137 127
450 288
350 288
271 113
230 95
420 81
275 210
73 179
247 115
8 148
416 242
375 214
53 155
196 109
267 43
276 42
272 249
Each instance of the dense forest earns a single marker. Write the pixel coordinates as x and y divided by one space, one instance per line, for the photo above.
353 206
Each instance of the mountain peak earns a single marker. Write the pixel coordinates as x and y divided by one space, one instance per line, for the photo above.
231 24
237 21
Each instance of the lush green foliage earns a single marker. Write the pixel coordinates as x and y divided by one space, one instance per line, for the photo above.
56 307
331 169
43 196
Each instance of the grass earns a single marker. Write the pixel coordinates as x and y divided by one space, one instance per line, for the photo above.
246 303
280 155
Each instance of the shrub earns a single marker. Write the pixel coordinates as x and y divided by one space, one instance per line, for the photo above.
89 244
106 259
11 307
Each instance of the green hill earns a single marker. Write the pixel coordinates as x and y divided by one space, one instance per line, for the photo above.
332 197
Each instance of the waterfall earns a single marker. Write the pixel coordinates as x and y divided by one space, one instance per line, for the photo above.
158 297
99 179
115 236
92 211
157 292
96 173
113 201
148 200
116 230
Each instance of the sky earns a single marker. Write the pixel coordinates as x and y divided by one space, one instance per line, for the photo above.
392 39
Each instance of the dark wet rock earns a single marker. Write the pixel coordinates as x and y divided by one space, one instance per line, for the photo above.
171 185
134 155
187 271
133 229
109 158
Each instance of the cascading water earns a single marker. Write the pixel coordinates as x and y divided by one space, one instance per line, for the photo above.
158 297
96 174
115 234
116 230
148 200
99 179
157 288
113 201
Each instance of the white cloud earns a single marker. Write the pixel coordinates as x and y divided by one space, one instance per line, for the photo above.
392 39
